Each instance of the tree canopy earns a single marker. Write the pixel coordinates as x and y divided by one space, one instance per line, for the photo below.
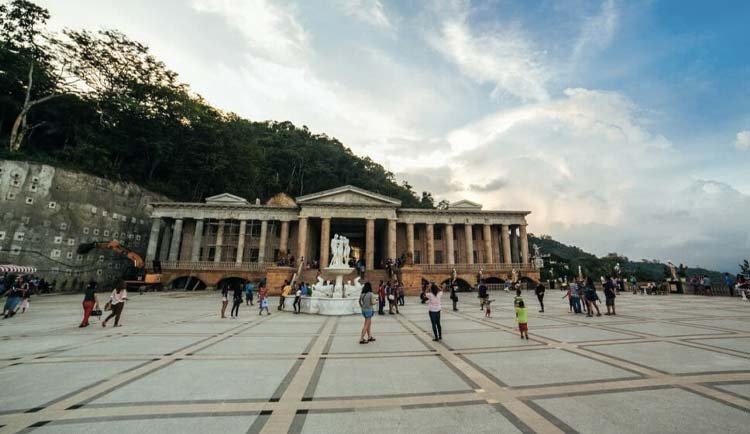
101 103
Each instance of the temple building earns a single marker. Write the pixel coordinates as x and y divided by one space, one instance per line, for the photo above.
227 237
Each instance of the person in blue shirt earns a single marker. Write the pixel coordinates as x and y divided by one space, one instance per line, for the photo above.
249 293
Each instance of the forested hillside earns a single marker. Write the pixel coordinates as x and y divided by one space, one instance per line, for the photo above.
564 260
100 103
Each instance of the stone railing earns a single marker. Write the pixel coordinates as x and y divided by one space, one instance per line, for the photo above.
471 268
214 266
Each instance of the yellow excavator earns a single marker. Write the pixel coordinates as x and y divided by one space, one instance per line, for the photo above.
135 277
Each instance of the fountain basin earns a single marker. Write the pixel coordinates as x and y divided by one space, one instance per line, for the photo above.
325 306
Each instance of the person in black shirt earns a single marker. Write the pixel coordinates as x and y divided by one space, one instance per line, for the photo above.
90 301
609 296
539 291
482 295
236 300
454 296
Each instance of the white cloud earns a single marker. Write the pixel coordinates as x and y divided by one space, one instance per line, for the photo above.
369 11
271 30
742 141
597 31
507 59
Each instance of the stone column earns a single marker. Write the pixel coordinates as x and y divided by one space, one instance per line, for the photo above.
219 241
197 240
449 243
410 239
325 241
430 243
370 244
469 243
524 245
301 239
153 240
284 238
506 244
166 241
392 239
241 242
514 245
262 242
174 247
487 243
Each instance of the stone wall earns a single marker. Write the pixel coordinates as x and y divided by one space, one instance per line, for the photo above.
45 213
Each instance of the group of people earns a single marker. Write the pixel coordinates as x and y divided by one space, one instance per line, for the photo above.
582 296
114 305
236 290
18 292
391 292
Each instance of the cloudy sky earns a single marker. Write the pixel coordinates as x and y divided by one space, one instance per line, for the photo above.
622 125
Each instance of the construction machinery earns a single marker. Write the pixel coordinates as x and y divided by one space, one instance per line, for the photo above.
135 277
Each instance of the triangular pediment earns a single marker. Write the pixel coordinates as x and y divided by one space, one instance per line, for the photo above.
464 204
226 198
348 195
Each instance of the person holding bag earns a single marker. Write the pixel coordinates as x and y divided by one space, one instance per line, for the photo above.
366 301
116 303
90 302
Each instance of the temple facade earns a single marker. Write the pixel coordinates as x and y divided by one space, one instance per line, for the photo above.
227 237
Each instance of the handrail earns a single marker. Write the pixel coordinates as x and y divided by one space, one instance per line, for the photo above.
214 266
465 268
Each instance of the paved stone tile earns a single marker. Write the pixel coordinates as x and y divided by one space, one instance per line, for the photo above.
546 366
455 325
133 345
159 425
646 411
451 419
260 345
738 389
22 346
664 329
674 358
383 344
32 385
386 376
379 325
580 334
485 339
741 325
736 344
204 380
283 328
195 328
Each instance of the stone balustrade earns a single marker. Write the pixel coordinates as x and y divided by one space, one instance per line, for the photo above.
215 266
472 268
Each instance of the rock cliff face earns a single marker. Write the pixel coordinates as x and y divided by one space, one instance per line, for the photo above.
45 213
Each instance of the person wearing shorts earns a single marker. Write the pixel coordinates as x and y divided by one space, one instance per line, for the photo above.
365 303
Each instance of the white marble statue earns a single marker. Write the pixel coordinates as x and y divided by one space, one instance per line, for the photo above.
347 250
322 288
353 290
336 259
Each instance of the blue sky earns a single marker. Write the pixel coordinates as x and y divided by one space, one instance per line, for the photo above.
622 125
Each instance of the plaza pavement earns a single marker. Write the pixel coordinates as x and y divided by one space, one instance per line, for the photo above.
676 364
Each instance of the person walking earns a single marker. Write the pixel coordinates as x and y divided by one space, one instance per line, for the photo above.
401 294
539 291
434 307
482 295
518 298
117 303
297 300
365 304
609 296
454 296
263 299
224 300
286 290
236 300
591 299
392 292
90 302
249 292
14 299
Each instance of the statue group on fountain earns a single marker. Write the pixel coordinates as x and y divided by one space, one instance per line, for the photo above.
340 251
